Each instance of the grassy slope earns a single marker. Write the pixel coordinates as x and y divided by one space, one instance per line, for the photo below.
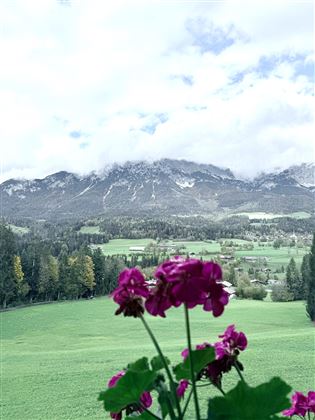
57 357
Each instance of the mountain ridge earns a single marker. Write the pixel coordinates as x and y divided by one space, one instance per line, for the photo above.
165 186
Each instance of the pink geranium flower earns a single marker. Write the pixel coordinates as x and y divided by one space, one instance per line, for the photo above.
299 406
131 289
232 343
311 401
161 298
187 281
181 389
112 382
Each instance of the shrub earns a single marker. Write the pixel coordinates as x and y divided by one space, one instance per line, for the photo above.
251 292
258 293
280 293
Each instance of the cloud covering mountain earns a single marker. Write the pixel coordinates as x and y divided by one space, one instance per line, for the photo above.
83 85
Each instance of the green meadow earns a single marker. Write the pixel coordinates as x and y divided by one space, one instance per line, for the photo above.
276 257
121 246
55 358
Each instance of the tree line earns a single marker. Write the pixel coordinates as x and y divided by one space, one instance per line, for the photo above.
36 270
33 269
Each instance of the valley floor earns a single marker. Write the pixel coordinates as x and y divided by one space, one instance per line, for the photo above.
56 358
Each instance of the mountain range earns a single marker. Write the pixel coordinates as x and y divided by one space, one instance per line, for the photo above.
162 187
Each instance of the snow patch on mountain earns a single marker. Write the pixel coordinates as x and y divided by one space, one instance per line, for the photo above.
185 183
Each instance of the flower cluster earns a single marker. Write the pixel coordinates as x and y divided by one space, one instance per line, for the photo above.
232 343
226 352
131 289
301 405
145 399
179 281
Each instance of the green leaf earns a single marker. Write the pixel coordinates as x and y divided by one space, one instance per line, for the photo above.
127 390
139 365
165 400
246 403
157 364
143 416
200 358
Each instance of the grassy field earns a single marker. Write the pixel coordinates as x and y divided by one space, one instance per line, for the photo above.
19 230
277 257
121 246
269 216
90 229
56 358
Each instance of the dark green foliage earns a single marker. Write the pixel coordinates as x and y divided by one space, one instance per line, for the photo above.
310 293
306 273
294 281
201 358
7 252
246 403
157 364
127 390
99 271
54 267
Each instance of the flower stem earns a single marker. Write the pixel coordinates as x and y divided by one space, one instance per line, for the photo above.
193 380
239 372
221 390
168 372
150 412
187 402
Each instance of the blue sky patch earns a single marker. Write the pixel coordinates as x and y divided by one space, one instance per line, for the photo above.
208 37
156 120
185 78
75 134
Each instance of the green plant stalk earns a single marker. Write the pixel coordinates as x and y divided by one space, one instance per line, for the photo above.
168 372
187 402
239 372
193 381
150 412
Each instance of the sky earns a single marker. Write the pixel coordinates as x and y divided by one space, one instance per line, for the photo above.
86 83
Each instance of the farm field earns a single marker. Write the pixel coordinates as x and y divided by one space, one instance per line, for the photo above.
90 229
56 358
269 216
276 257
121 246
19 230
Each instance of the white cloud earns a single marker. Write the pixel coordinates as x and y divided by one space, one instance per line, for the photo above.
107 69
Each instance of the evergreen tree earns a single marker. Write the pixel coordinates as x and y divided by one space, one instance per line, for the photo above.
306 273
99 271
294 281
7 253
310 298
30 257
63 269
48 276
68 277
